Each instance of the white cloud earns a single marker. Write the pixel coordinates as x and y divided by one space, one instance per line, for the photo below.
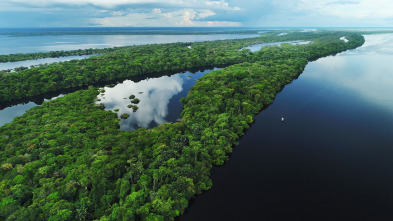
156 18
222 4
117 13
328 13
288 13
187 18
156 10
122 13
205 13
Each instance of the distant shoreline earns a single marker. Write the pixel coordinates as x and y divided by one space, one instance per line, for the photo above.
15 32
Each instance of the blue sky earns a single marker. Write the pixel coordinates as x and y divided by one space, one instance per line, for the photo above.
198 13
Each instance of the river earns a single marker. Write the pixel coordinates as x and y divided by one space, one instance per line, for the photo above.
31 44
332 157
27 44
36 62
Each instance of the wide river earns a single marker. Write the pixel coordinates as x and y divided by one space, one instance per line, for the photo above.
30 44
332 157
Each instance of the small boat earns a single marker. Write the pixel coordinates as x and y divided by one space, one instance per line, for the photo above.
282 119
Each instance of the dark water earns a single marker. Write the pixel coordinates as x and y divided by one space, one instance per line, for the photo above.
159 99
9 113
332 157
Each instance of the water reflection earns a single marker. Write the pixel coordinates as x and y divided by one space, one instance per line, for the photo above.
159 99
30 44
366 71
332 157
8 114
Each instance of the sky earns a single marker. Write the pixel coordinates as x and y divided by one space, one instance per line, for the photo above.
195 13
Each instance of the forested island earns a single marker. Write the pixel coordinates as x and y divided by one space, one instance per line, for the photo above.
68 160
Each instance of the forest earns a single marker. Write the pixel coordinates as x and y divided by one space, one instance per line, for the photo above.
68 160
132 61
52 54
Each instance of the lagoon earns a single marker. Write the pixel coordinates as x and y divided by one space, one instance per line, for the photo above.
159 99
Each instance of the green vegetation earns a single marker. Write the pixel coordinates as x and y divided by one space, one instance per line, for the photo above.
135 101
53 54
124 116
134 107
131 96
68 160
142 60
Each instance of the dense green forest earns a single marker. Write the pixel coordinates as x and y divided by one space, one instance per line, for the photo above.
52 54
109 31
147 60
68 160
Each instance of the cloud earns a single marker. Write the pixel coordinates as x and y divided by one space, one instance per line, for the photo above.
367 10
187 18
158 18
123 13
153 108
343 3
260 13
205 13
326 13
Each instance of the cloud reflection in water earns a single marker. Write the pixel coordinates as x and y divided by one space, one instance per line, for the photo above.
366 71
155 101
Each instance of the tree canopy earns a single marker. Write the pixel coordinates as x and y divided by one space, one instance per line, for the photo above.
68 160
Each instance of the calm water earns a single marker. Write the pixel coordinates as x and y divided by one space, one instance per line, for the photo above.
257 47
331 159
29 44
9 113
29 63
159 99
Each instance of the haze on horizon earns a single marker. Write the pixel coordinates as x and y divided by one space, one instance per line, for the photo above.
195 13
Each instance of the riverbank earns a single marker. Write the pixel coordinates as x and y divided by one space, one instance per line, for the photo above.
139 60
331 157
68 158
